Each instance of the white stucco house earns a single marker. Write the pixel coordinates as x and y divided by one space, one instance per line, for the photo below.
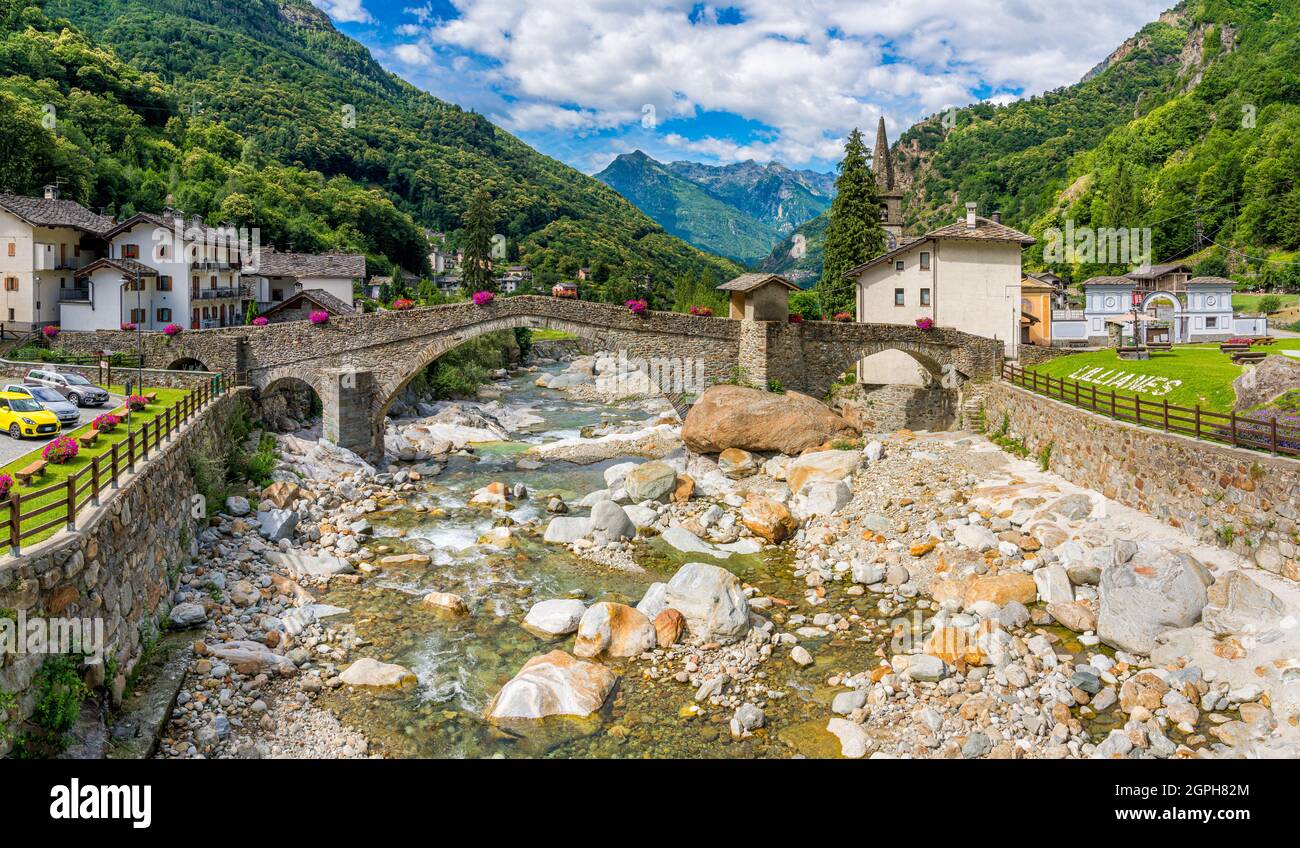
1172 305
966 276
44 242
160 270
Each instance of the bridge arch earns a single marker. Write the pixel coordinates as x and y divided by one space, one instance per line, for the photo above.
187 363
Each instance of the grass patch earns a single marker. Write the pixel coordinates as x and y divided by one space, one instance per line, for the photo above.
1195 374
551 335
1251 302
58 473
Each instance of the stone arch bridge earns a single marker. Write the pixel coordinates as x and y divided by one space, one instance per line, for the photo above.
358 364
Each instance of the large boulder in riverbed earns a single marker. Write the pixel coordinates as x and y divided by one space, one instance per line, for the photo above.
830 465
374 674
553 684
1158 589
556 617
609 523
712 601
753 420
614 630
1237 604
650 481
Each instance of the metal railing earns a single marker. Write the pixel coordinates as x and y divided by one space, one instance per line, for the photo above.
104 473
1242 431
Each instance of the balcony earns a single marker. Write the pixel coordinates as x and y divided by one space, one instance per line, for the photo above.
74 294
217 293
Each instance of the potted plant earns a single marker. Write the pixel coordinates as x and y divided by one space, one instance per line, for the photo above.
61 450
128 326
172 330
842 317
51 332
261 321
136 402
403 303
701 311
925 323
796 318
320 317
6 485
106 423
483 298
637 307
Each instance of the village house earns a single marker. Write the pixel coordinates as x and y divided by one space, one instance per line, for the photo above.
160 270
1036 307
278 276
515 277
966 276
301 304
44 242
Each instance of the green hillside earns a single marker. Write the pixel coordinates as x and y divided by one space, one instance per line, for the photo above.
242 111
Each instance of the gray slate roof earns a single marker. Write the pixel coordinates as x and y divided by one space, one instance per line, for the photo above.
131 267
985 230
349 266
749 282
40 212
318 297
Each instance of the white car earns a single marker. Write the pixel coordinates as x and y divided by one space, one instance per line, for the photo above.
65 410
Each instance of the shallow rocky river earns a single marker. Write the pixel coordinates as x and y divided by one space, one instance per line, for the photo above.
463 660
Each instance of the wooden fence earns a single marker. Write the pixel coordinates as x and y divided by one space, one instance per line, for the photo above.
104 472
1243 431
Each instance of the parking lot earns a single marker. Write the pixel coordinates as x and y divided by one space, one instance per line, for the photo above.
11 449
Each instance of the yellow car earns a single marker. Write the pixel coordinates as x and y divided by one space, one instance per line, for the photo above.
22 416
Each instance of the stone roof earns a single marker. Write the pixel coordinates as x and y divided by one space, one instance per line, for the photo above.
131 267
271 263
1032 283
1148 272
1108 281
316 297
169 222
749 282
1217 282
985 230
41 212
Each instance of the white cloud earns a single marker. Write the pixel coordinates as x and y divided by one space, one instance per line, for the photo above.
344 11
811 72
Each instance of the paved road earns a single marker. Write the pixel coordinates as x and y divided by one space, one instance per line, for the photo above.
11 449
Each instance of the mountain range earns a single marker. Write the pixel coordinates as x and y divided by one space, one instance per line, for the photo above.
738 211
261 113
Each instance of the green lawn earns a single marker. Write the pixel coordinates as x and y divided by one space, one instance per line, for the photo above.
1250 302
58 473
551 335
1190 375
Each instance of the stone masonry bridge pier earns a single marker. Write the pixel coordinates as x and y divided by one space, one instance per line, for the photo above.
358 364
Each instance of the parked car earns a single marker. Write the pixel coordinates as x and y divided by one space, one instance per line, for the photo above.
65 410
74 387
22 416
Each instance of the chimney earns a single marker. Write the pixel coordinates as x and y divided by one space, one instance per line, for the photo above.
997 217
970 215
51 192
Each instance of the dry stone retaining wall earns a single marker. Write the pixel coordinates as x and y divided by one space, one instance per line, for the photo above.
120 562
1245 500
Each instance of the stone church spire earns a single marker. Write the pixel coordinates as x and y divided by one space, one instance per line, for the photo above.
882 163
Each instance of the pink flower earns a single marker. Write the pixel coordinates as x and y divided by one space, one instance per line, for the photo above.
128 326
51 331
925 323
843 317
172 330
403 303
701 311
261 321
483 298
319 317
137 402
6 485
106 422
637 307
61 450
796 319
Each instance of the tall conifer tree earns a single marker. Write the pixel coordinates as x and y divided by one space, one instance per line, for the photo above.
854 234
480 224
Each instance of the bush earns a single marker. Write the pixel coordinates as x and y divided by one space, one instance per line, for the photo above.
6 485
319 317
701 311
638 306
1270 304
61 450
402 304
173 330
51 332
483 298
261 321
925 323
136 403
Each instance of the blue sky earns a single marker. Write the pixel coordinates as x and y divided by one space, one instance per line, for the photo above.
585 80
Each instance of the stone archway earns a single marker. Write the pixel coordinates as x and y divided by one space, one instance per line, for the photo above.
289 403
187 363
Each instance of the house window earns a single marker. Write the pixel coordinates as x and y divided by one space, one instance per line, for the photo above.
925 261
164 283
130 251
138 315
13 249
925 297
11 315
900 265
164 315
898 297
11 284
1211 322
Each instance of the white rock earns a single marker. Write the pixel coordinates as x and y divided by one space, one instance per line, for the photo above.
711 600
556 617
